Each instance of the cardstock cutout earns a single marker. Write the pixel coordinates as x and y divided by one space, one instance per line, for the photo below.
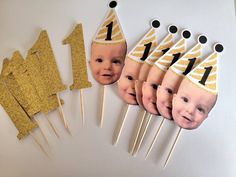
18 116
146 45
161 49
133 62
43 50
176 51
110 30
108 49
78 56
194 100
158 70
174 76
19 84
205 74
48 101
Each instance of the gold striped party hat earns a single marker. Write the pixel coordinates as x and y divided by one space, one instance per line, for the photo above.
110 30
190 59
205 74
146 45
174 53
163 47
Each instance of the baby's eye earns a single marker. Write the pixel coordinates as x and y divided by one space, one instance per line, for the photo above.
154 86
170 91
116 61
184 99
129 77
99 60
200 109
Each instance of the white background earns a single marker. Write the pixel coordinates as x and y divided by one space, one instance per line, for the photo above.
207 151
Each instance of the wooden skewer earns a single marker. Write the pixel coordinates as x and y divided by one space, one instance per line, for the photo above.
155 138
51 125
102 107
41 131
82 105
143 134
139 130
172 148
120 126
39 144
61 112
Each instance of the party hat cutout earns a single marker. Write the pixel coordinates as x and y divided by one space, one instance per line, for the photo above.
146 45
163 47
190 59
110 30
174 53
205 74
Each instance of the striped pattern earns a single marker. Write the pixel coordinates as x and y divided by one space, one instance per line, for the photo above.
196 74
164 62
116 35
137 52
180 66
166 43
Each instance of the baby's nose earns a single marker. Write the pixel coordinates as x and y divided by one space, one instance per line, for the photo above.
190 108
107 65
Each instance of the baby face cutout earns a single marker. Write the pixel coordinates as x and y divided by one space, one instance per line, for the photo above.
126 83
165 91
149 89
107 61
191 105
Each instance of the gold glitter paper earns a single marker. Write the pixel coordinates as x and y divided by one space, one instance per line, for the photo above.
19 84
48 67
18 116
48 101
76 42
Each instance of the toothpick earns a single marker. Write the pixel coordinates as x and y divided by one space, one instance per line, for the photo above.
143 134
62 115
102 106
120 126
82 105
39 144
172 148
139 129
52 126
41 131
155 138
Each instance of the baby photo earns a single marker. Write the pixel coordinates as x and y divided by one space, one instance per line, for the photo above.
158 71
108 49
174 76
197 93
133 63
160 50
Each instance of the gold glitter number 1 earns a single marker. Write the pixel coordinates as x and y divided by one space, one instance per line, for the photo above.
76 42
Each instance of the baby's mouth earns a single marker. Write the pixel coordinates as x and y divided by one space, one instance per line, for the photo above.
169 108
132 94
107 75
187 118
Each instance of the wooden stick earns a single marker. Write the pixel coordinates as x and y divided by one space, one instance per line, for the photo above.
82 105
120 126
61 112
172 148
155 138
142 135
139 130
39 144
101 116
41 131
52 126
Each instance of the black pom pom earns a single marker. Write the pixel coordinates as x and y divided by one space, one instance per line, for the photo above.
186 34
112 4
202 39
173 29
219 48
155 23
